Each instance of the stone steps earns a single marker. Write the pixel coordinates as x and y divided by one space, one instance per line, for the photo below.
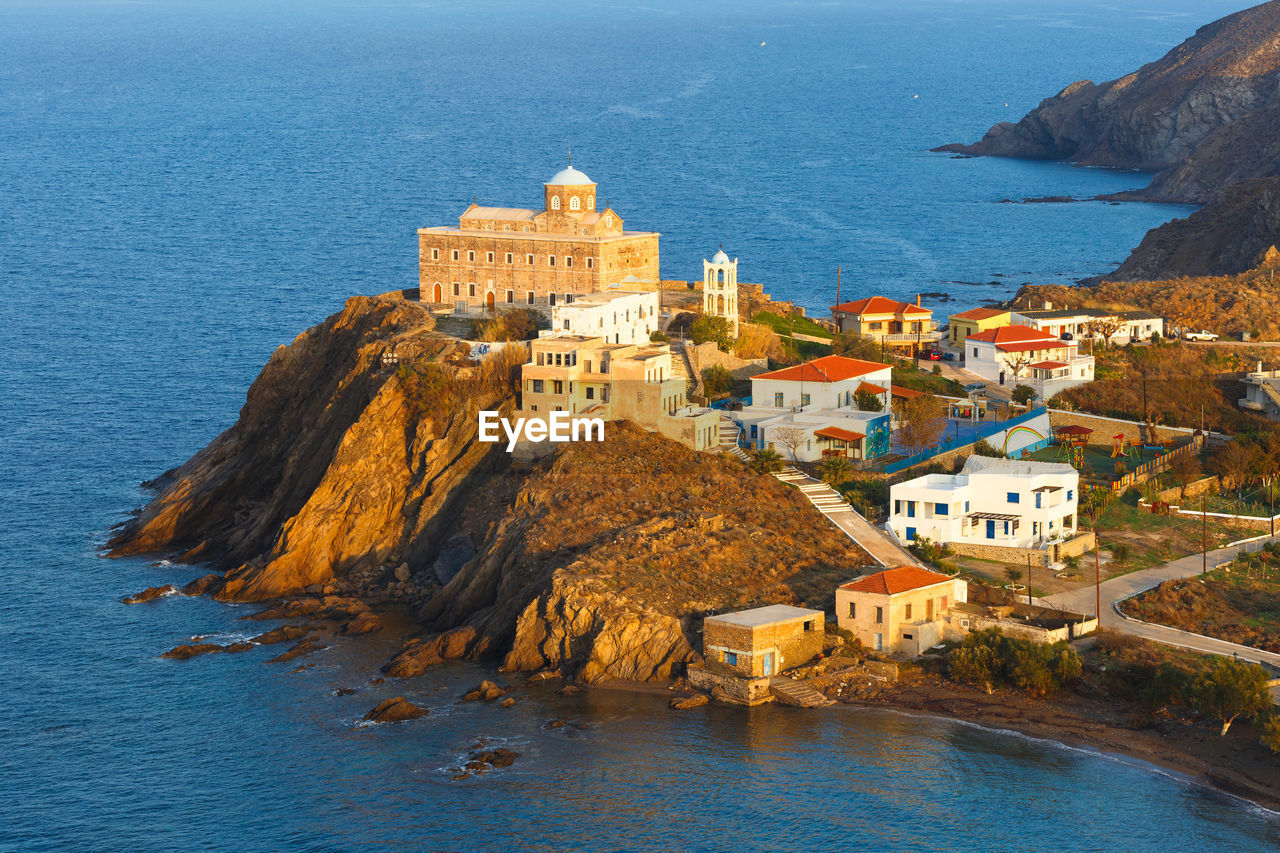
796 693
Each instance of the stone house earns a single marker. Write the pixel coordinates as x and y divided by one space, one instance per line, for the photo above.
763 641
901 610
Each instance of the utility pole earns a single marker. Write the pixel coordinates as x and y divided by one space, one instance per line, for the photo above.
1204 536
837 286
1028 579
1097 575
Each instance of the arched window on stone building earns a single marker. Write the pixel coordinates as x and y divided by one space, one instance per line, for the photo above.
575 203
591 202
555 202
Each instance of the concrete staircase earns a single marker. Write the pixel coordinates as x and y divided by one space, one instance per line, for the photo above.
729 438
827 501
682 368
797 693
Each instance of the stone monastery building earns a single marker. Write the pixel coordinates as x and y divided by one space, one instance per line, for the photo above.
520 257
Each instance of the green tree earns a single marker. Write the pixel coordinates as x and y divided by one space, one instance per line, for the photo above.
852 345
1231 689
718 329
766 461
1023 394
716 380
868 401
974 664
834 470
658 337
922 420
982 447
1269 731
1013 573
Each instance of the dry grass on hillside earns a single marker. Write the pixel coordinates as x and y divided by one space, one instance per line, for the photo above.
685 532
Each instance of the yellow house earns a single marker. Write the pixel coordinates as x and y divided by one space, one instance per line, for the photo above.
976 320
899 610
894 324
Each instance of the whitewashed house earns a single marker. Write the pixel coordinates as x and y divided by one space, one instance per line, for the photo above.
617 316
1020 355
1004 502
1081 323
812 410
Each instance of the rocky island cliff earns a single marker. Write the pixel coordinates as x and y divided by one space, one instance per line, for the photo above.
354 473
1205 118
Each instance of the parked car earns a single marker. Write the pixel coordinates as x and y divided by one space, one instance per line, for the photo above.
930 354
1202 335
948 356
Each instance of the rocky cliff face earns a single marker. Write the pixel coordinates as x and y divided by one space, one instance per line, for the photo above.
333 467
1158 116
1231 234
597 562
1205 117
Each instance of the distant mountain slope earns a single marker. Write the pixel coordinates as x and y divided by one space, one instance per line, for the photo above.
1206 111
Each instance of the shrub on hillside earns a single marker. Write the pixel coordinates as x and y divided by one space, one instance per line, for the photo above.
716 380
717 329
989 658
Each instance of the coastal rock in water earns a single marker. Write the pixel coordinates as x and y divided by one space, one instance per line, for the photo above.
150 594
420 654
203 584
684 703
365 623
238 647
395 710
283 634
304 647
190 650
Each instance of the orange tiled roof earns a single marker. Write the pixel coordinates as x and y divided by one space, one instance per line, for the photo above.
1020 338
894 581
880 305
1050 365
829 368
904 393
839 434
868 388
979 314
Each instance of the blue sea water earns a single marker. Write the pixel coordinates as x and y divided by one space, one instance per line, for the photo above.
185 186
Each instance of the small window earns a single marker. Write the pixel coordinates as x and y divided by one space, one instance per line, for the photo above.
555 202
731 658
471 289
853 610
537 386
551 260
471 255
435 254
568 260
529 259
575 203
777 399
591 392
489 257
591 202
897 507
808 626
804 399
911 509
510 257
530 297
1070 494
1013 497
907 611
966 506
455 254
456 289
911 534
940 510
511 297
590 263
879 615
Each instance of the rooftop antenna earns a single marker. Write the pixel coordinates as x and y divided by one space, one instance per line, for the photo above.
570 153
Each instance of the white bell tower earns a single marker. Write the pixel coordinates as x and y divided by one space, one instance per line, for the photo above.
720 288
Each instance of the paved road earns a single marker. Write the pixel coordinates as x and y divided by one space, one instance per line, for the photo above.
1116 590
828 502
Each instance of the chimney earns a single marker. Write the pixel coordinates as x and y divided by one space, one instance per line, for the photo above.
1048 306
917 300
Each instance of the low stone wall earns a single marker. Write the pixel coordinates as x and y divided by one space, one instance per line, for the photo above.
731 688
1077 545
1207 485
1003 553
708 354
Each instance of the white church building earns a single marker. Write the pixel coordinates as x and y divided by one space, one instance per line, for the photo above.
720 288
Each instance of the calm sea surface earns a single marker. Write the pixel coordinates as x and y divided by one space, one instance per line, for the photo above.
184 186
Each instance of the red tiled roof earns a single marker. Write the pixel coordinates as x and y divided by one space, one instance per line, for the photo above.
979 314
894 581
839 434
1020 338
829 368
904 393
868 388
880 305
1050 365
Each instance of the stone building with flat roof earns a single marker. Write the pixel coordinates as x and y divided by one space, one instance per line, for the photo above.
519 257
763 641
